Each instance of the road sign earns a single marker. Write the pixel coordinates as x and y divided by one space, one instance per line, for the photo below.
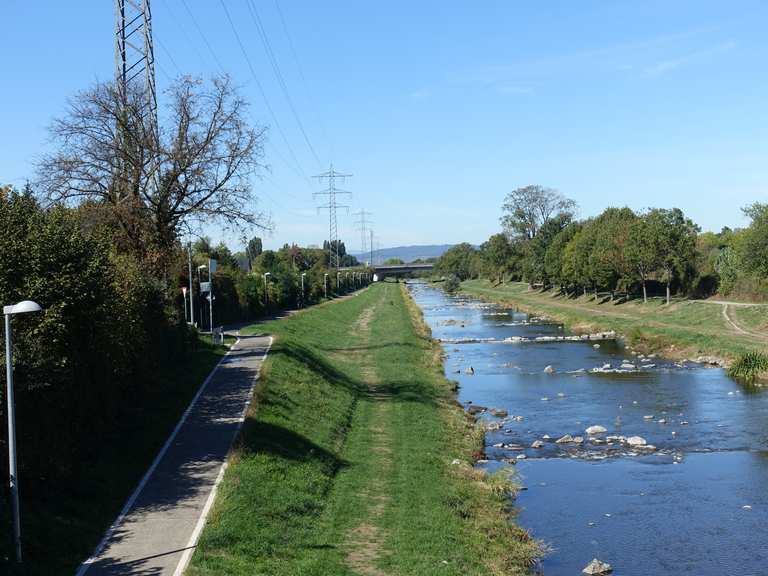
205 286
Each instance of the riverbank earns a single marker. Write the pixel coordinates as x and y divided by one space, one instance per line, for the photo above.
356 459
685 329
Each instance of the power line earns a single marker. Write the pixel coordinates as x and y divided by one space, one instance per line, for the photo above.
279 75
261 88
333 238
304 82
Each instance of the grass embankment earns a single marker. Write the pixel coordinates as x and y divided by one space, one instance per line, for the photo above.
344 465
684 329
62 526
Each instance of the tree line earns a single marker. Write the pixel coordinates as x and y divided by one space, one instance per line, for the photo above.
99 240
618 251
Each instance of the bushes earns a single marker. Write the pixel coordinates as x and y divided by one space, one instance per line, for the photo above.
88 358
749 366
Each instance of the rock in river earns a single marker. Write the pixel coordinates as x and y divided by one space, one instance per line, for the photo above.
537 444
549 369
592 430
469 370
636 441
564 439
498 413
597 567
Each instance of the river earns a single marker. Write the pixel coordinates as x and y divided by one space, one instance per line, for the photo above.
695 504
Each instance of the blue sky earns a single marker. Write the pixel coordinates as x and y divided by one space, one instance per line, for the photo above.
439 108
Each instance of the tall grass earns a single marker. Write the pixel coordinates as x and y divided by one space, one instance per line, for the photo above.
749 366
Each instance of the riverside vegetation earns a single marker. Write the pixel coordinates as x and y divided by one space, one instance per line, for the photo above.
648 266
356 459
100 241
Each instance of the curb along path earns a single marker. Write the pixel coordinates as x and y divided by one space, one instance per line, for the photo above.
158 528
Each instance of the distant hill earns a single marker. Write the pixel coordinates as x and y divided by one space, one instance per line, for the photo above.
407 253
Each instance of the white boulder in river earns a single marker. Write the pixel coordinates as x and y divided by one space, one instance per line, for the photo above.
597 567
636 441
592 430
549 369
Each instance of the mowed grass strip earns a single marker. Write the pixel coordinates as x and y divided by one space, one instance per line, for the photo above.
345 465
684 329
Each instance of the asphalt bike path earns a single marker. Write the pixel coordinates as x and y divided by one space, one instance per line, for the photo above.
157 531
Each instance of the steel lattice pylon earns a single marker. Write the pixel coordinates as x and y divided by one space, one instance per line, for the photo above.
134 53
333 237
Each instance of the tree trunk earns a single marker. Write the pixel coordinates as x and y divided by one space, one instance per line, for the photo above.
667 293
585 290
595 293
645 294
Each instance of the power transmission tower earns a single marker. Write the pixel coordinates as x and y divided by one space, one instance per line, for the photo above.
333 237
362 227
135 53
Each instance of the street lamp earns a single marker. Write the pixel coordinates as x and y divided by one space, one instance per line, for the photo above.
338 282
20 308
302 289
325 285
266 289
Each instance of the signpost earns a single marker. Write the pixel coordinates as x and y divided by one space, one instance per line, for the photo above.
211 271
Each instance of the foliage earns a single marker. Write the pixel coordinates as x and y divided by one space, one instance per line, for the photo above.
462 260
393 262
526 210
749 366
452 284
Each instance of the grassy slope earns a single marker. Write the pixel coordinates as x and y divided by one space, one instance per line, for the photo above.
344 464
684 329
62 527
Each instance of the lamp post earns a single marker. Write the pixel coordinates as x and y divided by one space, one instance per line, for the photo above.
303 298
199 283
325 285
184 293
266 289
338 282
20 308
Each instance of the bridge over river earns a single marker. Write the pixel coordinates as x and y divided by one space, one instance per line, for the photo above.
384 270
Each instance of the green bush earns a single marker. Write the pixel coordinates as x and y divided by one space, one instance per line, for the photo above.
749 367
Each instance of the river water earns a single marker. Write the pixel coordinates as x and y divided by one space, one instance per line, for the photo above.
695 504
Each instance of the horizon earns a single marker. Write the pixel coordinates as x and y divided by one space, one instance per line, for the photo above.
610 105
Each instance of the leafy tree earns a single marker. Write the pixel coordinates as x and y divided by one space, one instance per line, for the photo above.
461 260
643 251
452 284
497 254
554 258
608 262
253 250
728 267
754 246
534 268
676 238
393 262
527 209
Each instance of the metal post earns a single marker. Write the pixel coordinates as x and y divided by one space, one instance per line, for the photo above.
210 297
303 298
13 474
191 292
201 299
325 285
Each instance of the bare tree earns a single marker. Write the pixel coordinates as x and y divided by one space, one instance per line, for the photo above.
527 209
195 165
